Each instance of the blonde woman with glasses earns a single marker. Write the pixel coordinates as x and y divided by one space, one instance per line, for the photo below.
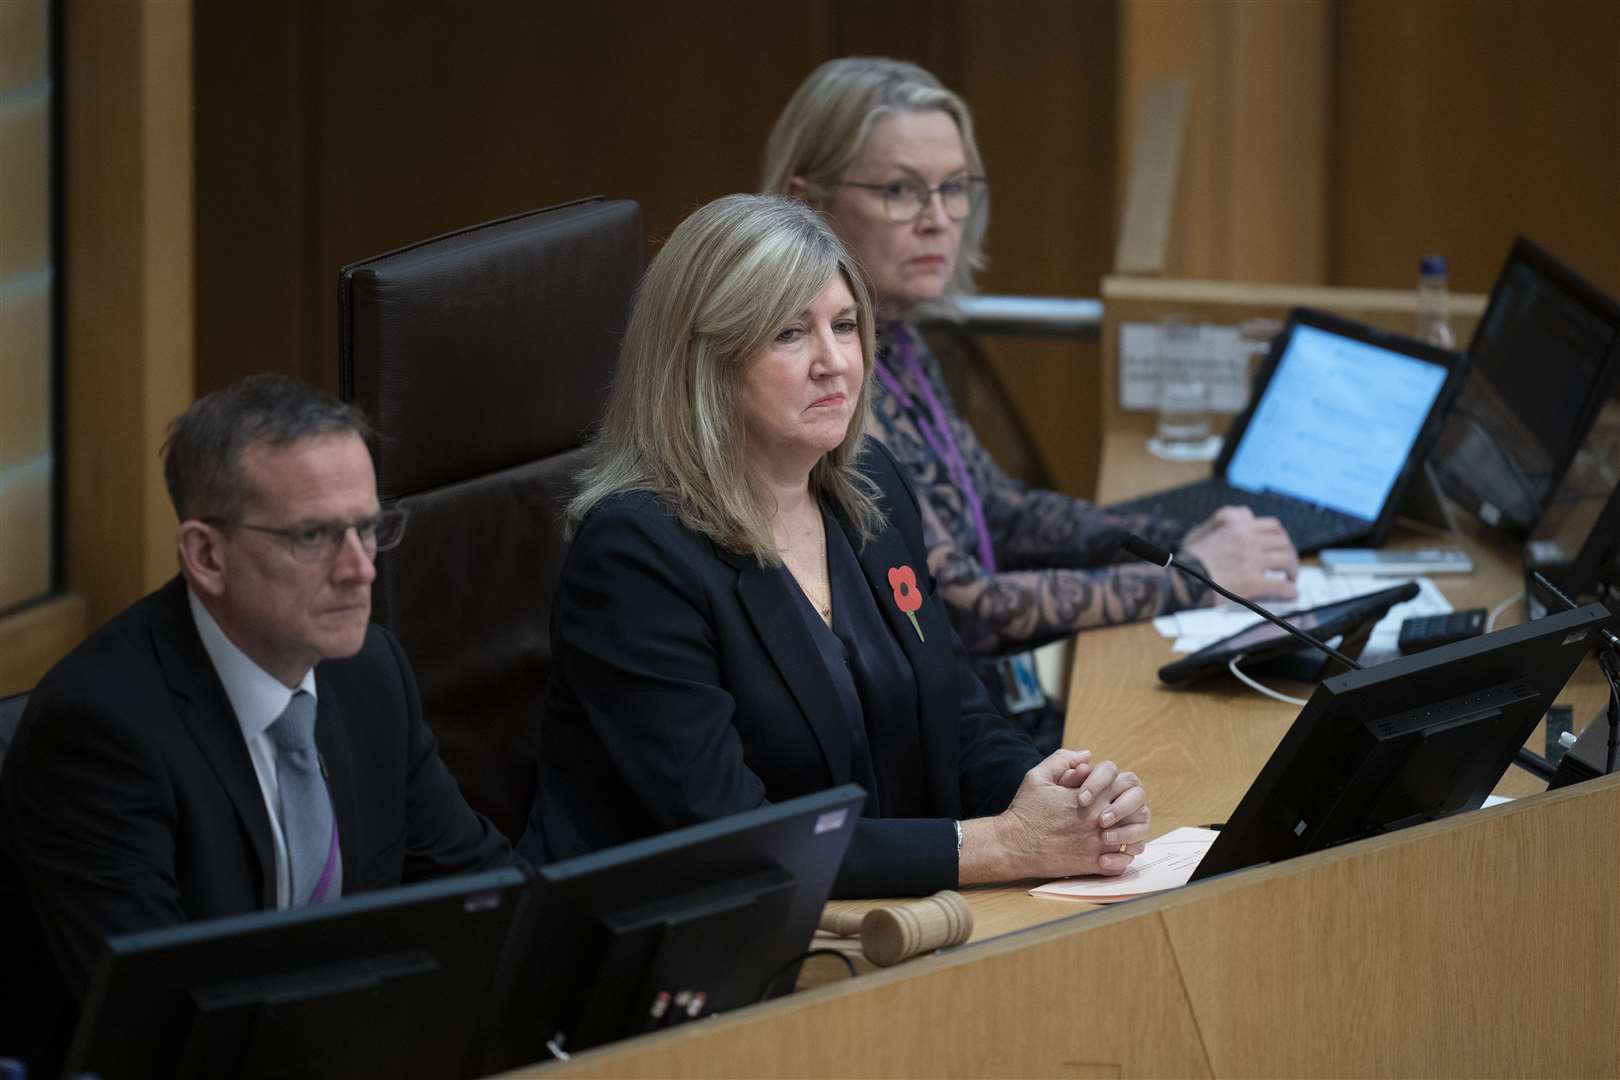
888 154
746 613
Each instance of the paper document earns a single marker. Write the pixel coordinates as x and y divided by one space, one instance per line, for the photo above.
1166 863
1197 627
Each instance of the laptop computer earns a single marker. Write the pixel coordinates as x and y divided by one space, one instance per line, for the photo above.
1340 420
1543 361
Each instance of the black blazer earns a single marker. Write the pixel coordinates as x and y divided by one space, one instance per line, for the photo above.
686 686
131 802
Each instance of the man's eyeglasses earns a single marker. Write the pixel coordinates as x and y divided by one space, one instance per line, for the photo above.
320 541
903 200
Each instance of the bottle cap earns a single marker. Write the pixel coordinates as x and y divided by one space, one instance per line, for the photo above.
1432 264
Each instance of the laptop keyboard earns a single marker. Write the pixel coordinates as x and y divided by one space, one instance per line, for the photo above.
1310 527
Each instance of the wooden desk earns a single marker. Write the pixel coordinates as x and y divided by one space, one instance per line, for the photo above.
1193 746
1197 750
1488 943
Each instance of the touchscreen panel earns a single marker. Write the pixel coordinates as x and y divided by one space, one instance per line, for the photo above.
1307 621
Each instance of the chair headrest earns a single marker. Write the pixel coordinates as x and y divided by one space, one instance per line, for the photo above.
501 339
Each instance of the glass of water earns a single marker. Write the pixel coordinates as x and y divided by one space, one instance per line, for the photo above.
1183 373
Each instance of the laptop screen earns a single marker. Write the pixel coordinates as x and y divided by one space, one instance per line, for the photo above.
1335 422
1542 363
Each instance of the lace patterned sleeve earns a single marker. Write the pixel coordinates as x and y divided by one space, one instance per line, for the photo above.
1011 610
1040 529
1053 552
1036 528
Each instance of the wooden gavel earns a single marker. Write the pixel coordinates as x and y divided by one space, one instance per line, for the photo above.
896 932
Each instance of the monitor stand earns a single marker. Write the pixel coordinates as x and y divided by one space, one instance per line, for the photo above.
1424 507
1588 756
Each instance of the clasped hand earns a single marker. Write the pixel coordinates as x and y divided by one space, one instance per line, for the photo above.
1069 816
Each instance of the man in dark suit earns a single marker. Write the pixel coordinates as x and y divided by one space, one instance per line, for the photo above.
158 776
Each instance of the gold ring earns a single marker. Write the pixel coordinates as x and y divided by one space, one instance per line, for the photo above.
1122 849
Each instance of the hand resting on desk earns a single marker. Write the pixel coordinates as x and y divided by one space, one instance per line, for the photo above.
1068 817
1252 556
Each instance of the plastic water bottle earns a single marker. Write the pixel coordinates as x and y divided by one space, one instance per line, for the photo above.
1434 303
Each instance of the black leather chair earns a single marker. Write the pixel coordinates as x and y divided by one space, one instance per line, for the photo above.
11 710
483 357
36 1015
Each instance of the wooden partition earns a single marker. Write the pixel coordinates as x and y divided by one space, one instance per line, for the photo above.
1483 945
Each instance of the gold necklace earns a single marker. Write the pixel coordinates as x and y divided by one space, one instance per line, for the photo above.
823 606
825 609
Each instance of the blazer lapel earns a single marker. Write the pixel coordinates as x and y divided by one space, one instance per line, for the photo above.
764 596
208 715
932 657
332 741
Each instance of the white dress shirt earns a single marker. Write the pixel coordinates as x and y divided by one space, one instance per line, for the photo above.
258 700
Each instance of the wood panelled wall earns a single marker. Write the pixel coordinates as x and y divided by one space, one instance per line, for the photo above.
331 132
1332 140
1252 201
1459 123
26 276
127 87
1329 142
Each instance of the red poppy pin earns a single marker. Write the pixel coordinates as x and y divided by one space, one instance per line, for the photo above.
903 580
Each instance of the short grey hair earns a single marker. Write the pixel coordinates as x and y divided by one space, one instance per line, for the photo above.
716 294
202 456
829 117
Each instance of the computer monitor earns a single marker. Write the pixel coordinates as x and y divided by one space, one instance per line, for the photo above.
1576 544
676 927
390 983
1408 741
1542 361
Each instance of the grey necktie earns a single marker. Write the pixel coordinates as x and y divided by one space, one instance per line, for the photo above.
307 823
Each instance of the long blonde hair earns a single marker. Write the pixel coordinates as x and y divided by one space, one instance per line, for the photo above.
831 114
720 289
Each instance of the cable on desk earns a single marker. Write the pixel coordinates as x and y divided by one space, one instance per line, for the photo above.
770 983
1231 665
1496 612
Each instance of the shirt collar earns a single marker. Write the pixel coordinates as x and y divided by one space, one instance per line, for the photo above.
256 696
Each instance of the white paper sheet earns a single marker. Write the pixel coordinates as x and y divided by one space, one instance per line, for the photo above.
1165 863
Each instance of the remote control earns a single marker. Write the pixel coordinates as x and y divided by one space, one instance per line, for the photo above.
1427 631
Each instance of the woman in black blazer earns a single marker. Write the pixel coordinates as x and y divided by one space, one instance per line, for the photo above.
746 614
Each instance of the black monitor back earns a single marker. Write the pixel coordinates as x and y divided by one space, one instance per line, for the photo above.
676 927
1576 544
1411 740
1543 359
395 983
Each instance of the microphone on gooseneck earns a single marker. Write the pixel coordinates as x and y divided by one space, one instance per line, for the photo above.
1153 553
